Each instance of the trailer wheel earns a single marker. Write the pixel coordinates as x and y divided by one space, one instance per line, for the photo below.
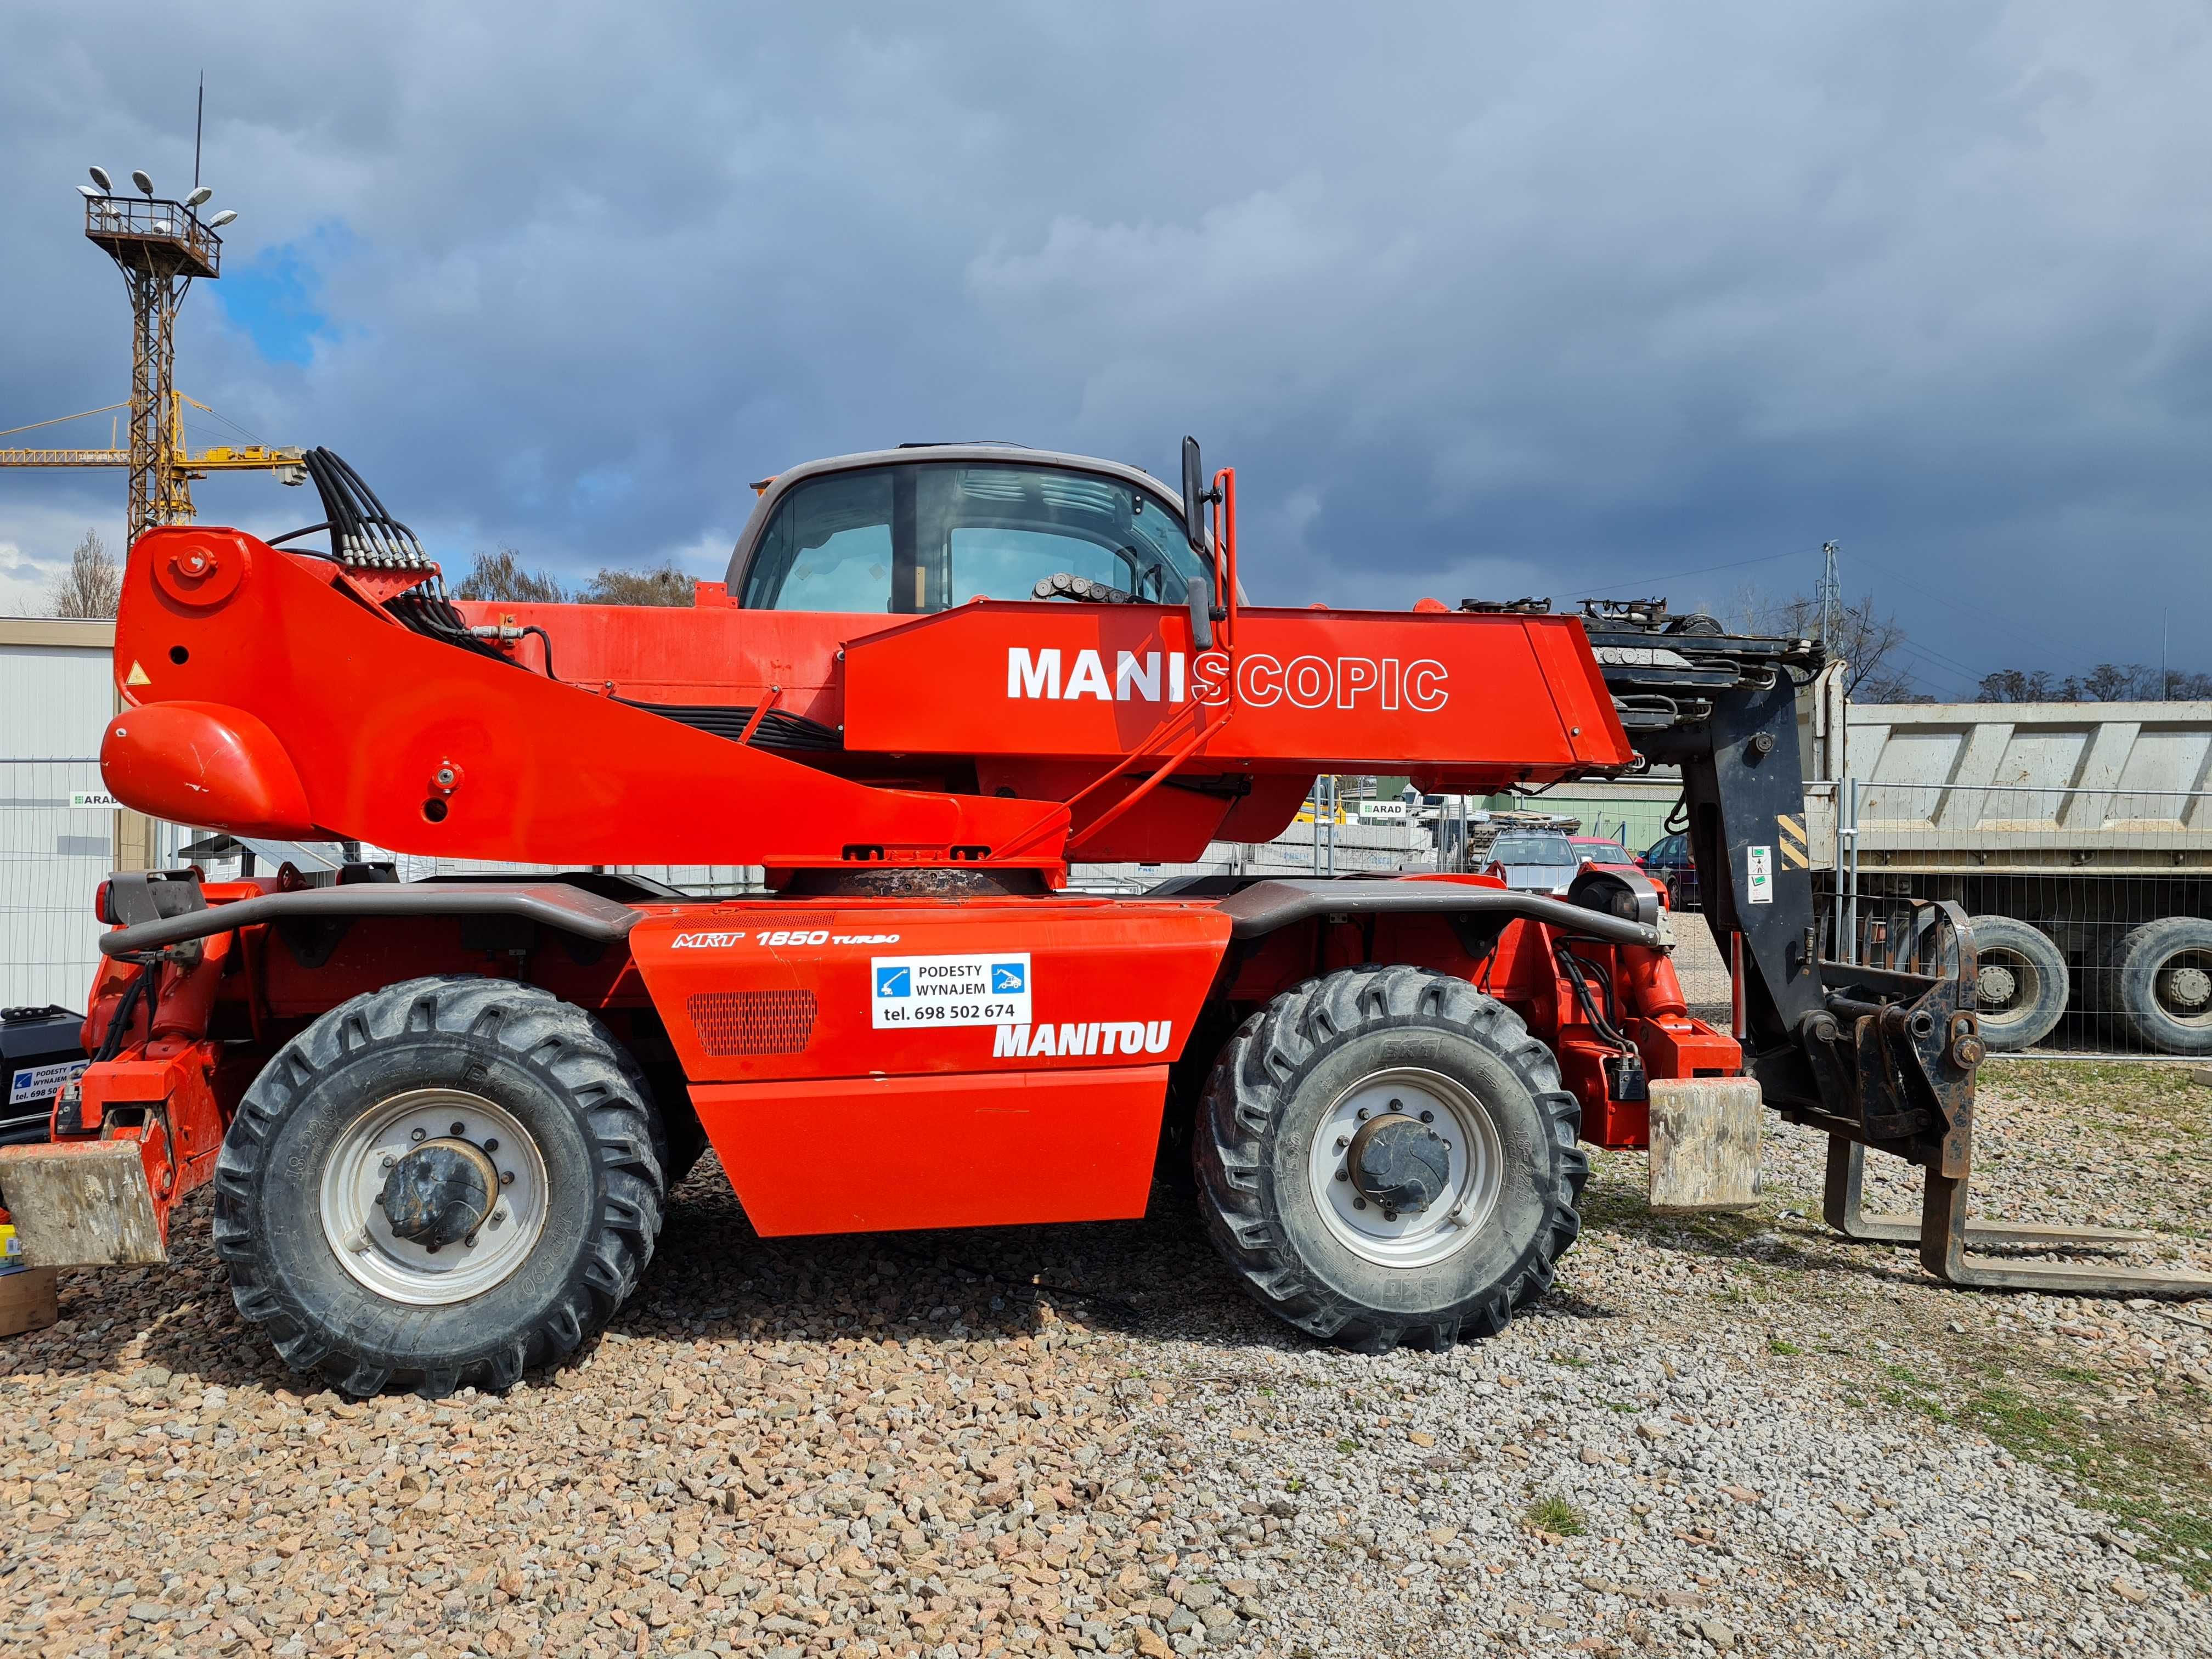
442 1183
2022 988
2163 985
1386 1156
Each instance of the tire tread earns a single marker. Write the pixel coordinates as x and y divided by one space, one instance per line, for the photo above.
573 1054
1243 1104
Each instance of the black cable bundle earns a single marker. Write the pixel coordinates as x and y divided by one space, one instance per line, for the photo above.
365 535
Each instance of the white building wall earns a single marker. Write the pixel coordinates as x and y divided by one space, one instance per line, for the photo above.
57 693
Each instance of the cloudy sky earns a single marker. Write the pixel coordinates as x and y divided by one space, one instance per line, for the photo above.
1479 300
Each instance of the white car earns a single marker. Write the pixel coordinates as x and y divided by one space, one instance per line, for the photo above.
1534 861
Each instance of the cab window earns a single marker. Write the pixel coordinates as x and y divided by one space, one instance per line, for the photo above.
917 536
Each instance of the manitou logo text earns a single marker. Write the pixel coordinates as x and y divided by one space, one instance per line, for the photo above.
1127 1036
1262 680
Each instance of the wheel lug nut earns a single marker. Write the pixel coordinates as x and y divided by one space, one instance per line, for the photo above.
418 1134
457 1129
469 1241
388 1161
491 1145
1397 1105
430 1249
1362 1114
1344 1175
1343 1141
1428 1117
507 1177
1389 1215
1358 1203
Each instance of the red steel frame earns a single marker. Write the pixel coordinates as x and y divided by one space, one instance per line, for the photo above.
269 693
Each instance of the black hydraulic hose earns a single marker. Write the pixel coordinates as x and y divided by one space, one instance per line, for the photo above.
295 535
1573 967
546 639
110 1044
1605 982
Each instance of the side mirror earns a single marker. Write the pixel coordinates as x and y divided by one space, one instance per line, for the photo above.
1195 493
1199 592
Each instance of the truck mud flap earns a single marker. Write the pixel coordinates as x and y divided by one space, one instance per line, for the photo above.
82 1204
1704 1144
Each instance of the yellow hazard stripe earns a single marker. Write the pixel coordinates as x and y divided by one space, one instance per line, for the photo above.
1790 843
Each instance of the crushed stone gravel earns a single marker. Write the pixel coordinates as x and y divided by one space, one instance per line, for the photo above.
1701 1442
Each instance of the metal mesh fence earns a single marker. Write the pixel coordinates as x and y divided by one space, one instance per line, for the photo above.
2091 909
56 840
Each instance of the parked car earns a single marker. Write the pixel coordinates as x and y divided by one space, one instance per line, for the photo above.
1597 849
1534 861
1668 859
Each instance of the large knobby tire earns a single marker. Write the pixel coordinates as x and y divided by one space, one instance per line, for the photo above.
553 1110
1318 1061
2162 984
2023 987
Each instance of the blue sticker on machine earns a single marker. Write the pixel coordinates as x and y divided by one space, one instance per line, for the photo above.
894 982
1008 978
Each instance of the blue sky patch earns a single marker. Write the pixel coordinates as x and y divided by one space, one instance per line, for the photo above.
275 297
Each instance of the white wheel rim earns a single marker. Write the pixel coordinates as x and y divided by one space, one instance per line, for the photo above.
1475 1157
399 1269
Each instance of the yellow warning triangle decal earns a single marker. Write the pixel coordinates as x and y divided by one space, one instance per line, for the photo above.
137 676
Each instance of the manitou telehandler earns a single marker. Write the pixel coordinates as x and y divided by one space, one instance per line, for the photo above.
441 1117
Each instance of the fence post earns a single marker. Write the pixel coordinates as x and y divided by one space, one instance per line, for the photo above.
1848 828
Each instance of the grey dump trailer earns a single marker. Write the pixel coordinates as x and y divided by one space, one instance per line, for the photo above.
2076 837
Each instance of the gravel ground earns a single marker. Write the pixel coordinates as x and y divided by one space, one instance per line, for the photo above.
1733 1434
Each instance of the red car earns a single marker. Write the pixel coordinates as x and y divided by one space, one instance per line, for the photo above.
1592 850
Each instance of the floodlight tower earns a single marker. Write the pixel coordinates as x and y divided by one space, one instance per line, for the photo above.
159 245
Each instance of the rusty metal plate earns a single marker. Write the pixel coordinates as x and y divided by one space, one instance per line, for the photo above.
82 1204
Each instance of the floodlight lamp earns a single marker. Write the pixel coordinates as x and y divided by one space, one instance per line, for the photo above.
107 185
88 192
199 196
140 178
222 219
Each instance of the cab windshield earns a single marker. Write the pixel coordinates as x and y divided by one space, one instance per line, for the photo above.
919 536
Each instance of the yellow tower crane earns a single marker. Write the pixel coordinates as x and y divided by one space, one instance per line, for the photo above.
170 495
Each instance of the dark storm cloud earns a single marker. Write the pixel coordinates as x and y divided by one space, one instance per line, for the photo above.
1478 300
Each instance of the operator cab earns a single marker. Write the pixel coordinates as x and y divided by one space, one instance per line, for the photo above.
914 531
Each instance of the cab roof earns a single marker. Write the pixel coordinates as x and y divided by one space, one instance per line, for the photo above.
773 489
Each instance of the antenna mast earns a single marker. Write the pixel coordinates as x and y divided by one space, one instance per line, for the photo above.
1829 595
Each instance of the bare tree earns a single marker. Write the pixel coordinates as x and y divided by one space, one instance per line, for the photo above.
667 584
500 576
2011 685
93 584
1865 638
2108 682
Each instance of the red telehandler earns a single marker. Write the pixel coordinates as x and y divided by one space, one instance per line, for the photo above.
441 1117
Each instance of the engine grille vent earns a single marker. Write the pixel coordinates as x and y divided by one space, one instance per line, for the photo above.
752 1022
